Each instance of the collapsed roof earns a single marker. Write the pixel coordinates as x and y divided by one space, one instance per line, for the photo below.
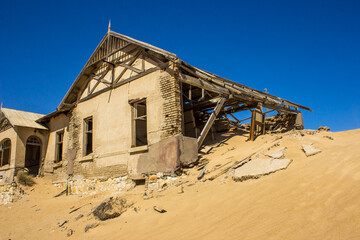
240 97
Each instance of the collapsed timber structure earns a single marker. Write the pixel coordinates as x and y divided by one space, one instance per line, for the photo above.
137 109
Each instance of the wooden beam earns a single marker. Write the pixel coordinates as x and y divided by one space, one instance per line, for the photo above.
118 84
211 121
203 84
130 63
129 67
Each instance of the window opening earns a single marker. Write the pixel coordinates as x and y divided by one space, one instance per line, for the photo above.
59 146
139 123
5 153
88 135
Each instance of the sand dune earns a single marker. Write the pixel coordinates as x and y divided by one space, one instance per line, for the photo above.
316 197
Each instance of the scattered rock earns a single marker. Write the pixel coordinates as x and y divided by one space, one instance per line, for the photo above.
259 167
310 150
38 209
147 196
79 216
279 153
90 226
181 190
111 208
62 223
63 229
159 209
325 129
153 178
329 137
70 232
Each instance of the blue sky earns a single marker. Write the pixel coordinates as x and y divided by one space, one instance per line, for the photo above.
304 51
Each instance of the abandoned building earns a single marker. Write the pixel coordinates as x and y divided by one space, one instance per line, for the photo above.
133 109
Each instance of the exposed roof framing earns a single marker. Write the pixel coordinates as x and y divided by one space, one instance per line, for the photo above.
114 46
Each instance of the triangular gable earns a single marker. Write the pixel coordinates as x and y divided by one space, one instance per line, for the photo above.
114 48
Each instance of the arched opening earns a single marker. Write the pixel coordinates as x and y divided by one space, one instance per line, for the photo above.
5 152
33 155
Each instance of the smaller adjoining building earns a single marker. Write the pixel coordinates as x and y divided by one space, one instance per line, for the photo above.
23 143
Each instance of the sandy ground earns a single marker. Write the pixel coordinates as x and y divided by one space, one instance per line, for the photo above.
316 197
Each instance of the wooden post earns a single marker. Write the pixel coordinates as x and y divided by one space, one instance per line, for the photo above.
210 121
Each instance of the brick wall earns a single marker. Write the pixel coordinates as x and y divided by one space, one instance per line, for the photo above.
170 92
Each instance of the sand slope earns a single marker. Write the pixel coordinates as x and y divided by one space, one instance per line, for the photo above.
316 197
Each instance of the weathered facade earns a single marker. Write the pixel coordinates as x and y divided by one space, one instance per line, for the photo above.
136 109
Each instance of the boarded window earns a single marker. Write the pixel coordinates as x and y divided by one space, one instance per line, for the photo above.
88 136
59 146
5 148
139 134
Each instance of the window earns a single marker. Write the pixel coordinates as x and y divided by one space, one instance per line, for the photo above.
88 136
139 130
5 148
59 146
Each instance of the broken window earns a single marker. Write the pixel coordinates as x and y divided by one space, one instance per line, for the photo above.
139 135
88 136
5 152
59 146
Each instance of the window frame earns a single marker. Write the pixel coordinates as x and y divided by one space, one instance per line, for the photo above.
134 118
57 142
2 152
86 132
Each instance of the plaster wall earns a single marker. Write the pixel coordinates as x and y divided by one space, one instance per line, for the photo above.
7 171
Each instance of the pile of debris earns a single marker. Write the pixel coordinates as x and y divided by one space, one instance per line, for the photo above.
280 122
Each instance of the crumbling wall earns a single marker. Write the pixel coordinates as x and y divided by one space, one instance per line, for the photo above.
280 122
170 93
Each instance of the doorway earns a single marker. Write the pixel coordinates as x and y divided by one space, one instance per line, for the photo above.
33 155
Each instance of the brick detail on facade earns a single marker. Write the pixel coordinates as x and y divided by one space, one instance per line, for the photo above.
170 92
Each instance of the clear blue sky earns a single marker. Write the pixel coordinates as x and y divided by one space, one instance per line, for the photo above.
304 51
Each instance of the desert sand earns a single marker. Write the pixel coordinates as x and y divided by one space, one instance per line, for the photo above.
315 197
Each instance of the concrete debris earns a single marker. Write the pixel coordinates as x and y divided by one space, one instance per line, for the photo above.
279 153
70 232
325 129
111 208
159 209
329 137
310 150
90 226
147 196
79 216
259 167
181 190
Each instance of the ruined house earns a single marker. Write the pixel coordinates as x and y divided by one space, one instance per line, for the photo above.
136 109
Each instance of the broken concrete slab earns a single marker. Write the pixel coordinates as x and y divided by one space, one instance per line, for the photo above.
279 153
259 167
310 150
